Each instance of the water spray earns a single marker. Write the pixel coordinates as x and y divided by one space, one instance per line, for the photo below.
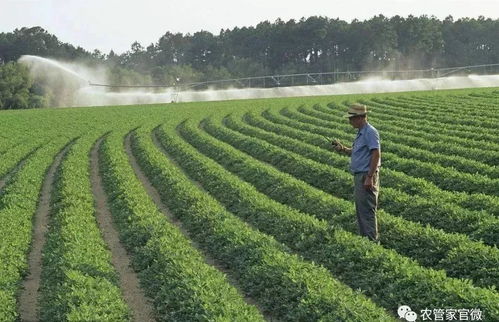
78 85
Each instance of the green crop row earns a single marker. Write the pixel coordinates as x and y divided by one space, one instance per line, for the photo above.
439 103
436 111
383 275
489 95
308 134
466 105
430 139
174 274
472 202
430 247
402 136
15 134
475 207
78 281
475 116
16 156
18 205
438 116
11 167
10 147
283 284
477 99
460 163
445 178
445 130
425 208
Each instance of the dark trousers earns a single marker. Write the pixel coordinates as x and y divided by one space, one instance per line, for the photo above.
366 204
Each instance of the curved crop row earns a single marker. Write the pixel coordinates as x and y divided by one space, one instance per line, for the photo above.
444 177
473 202
436 110
384 275
173 273
466 105
282 283
460 163
428 209
16 156
445 103
314 138
15 135
407 109
428 158
470 105
426 141
443 131
19 202
492 95
479 102
10 152
429 246
436 115
78 280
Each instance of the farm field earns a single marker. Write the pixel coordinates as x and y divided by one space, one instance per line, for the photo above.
241 211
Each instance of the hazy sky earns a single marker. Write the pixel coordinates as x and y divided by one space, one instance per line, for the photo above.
116 24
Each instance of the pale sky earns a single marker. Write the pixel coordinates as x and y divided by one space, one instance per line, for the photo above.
116 24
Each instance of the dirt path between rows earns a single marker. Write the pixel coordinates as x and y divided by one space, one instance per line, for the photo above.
153 193
133 294
28 299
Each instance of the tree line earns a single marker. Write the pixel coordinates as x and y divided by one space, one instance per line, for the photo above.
313 44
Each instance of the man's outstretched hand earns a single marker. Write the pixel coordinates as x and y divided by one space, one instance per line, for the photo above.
337 145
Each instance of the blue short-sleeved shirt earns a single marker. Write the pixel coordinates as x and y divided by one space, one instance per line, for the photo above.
367 139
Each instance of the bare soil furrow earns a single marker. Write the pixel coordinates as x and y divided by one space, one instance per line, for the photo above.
153 193
129 283
28 299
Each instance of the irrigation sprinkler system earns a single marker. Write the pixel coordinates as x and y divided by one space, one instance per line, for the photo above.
270 81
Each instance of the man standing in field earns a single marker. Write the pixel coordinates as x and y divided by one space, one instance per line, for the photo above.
364 165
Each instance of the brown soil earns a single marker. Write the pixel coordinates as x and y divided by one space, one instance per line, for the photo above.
28 298
155 196
133 294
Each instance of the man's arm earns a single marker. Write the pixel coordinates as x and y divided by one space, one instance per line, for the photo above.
338 146
347 151
373 166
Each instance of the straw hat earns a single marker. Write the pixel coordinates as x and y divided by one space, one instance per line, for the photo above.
356 110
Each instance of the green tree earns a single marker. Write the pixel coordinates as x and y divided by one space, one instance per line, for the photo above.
203 50
313 44
245 67
420 41
37 41
170 49
16 88
470 41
